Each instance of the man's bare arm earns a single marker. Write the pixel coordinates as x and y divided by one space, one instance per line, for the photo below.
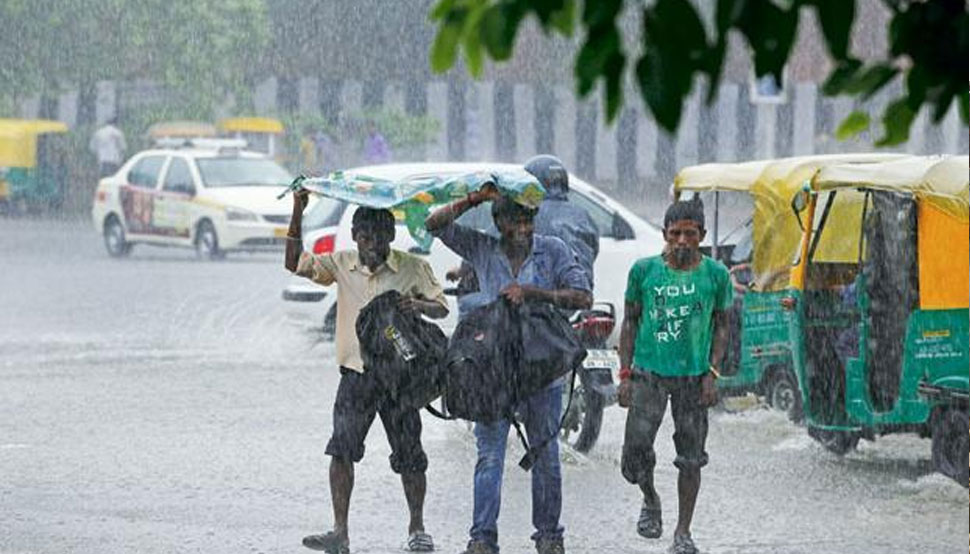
719 344
294 235
446 215
570 299
628 332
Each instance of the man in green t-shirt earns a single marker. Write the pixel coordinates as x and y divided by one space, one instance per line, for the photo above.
674 335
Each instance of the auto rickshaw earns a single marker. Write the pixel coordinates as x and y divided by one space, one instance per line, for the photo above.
262 134
753 199
879 298
32 166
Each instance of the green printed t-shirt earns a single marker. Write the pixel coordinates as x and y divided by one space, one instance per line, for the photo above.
676 324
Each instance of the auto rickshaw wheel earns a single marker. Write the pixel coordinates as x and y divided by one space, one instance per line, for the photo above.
951 444
839 443
207 242
783 394
114 238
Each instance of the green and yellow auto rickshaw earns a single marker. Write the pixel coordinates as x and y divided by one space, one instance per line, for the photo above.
32 165
753 230
879 296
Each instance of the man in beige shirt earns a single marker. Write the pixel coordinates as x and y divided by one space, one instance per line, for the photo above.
361 275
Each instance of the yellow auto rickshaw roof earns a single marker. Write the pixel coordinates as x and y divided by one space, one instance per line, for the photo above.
252 125
720 176
776 232
18 139
32 126
180 129
943 181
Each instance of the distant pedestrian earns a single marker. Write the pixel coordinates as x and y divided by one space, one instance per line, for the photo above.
108 145
673 337
376 149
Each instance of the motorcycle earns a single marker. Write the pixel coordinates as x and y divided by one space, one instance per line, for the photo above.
594 388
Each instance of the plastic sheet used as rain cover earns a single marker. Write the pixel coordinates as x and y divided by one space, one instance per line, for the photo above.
411 199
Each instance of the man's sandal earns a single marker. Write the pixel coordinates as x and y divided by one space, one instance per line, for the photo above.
419 541
329 542
650 524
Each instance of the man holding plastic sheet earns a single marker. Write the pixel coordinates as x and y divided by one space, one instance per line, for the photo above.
673 337
518 266
362 275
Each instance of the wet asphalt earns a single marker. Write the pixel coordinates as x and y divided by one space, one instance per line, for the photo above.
163 404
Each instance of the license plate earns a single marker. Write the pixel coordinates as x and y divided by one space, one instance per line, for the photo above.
279 232
602 359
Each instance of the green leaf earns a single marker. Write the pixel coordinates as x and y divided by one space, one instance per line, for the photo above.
868 82
471 41
840 77
593 57
662 96
497 30
855 123
614 92
897 120
444 50
441 9
601 12
564 20
770 31
836 19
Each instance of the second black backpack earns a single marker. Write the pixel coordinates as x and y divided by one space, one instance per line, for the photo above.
403 351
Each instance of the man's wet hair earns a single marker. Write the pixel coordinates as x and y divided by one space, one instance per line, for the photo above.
505 207
372 219
692 210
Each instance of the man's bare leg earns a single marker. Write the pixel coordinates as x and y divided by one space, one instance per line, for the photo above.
688 484
415 487
341 487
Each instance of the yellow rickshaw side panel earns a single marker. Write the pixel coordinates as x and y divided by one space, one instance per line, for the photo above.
943 244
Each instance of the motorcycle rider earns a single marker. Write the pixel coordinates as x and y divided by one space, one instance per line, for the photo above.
558 217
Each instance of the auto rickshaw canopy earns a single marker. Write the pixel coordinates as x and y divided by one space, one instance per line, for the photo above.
736 177
940 187
251 125
181 129
18 140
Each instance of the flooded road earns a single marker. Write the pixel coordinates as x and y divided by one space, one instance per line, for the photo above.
161 404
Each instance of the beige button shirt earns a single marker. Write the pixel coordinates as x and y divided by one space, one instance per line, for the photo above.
356 286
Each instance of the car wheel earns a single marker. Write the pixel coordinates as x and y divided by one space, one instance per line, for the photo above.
114 238
207 242
951 444
836 442
783 395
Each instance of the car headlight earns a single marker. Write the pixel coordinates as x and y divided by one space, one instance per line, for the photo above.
235 214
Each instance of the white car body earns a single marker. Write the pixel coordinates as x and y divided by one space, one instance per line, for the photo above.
616 255
160 197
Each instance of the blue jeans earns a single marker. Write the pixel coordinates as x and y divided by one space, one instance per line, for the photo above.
540 414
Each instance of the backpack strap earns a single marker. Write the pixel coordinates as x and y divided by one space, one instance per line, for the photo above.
531 454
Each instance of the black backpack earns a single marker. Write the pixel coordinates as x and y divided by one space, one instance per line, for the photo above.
403 351
501 354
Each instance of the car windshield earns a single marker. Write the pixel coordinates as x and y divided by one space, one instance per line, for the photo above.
241 172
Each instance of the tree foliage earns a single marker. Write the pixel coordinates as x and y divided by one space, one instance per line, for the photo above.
199 48
928 49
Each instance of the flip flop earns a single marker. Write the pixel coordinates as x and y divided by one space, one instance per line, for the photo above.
328 542
419 541
650 525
